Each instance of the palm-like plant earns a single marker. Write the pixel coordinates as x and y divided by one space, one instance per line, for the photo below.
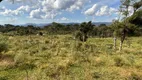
85 28
136 18
137 5
125 27
121 30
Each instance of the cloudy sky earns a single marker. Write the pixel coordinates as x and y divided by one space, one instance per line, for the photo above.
63 11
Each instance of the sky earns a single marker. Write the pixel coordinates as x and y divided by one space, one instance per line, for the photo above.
62 11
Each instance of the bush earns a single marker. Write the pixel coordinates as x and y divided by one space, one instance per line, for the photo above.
3 78
3 47
19 58
135 77
124 61
79 36
119 61
96 75
26 66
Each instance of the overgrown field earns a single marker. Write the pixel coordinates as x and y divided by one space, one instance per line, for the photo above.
59 57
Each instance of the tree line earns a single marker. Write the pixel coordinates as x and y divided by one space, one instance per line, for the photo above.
85 28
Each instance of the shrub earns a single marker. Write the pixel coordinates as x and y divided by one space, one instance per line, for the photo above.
3 47
134 76
77 46
19 58
119 61
96 75
3 78
79 36
125 60
26 66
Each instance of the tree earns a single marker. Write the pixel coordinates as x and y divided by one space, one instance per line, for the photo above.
125 27
115 27
84 30
137 5
121 30
136 18
128 23
102 25
124 8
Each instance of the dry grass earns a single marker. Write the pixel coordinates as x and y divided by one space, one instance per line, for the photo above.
59 57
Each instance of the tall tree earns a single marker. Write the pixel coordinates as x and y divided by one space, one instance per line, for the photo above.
127 25
136 18
137 5
84 30
124 27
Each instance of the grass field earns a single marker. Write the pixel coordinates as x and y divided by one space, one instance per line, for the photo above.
59 57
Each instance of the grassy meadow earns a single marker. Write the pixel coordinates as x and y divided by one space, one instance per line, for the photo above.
60 57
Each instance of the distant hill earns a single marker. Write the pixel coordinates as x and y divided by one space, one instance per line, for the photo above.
98 23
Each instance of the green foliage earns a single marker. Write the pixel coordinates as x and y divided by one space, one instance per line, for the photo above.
127 61
19 58
27 66
85 28
3 78
79 36
18 30
3 46
136 18
102 25
119 61
58 29
137 5
134 76
0 0
97 75
60 57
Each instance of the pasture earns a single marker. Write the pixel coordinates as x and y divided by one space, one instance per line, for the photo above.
60 57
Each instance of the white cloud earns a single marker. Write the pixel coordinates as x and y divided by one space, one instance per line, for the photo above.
36 14
21 1
9 21
68 5
105 10
49 9
64 19
99 10
8 12
24 8
17 12
78 4
2 8
63 4
50 15
131 10
91 11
